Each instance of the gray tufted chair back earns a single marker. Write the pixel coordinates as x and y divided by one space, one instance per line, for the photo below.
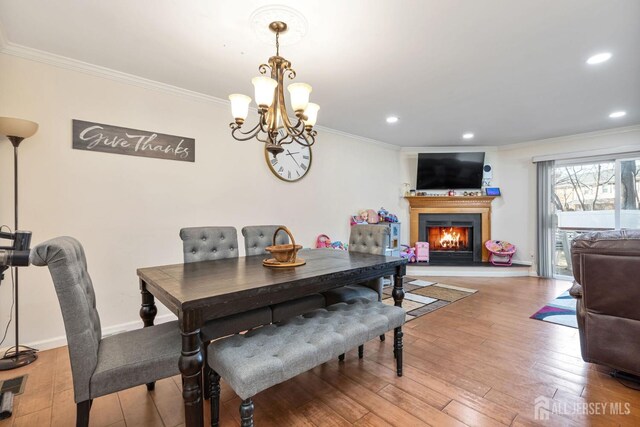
258 237
68 267
369 239
209 243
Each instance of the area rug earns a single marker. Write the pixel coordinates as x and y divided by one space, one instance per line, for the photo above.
561 311
422 296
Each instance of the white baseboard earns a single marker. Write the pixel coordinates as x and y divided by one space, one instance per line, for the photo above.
109 330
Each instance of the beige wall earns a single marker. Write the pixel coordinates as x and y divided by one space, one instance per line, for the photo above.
127 210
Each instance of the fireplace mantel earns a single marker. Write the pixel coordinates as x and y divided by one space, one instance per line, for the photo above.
451 204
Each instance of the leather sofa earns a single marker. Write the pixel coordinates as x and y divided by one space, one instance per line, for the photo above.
606 268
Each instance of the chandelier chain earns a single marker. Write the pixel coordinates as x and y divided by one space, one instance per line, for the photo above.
277 43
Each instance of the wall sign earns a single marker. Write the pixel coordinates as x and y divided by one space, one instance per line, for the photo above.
91 136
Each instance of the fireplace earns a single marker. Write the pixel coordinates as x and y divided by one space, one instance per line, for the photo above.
452 237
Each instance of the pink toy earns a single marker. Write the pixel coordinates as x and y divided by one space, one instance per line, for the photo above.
422 251
409 253
502 250
323 241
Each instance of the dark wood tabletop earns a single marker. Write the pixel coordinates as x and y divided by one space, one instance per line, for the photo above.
201 291
200 284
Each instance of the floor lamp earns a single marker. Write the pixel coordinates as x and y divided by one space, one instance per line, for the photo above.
16 130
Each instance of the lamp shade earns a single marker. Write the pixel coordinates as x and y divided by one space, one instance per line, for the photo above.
312 114
239 106
299 93
264 87
20 128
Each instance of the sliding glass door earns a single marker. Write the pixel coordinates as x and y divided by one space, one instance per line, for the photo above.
591 195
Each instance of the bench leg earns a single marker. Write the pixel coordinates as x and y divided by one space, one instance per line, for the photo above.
361 351
341 357
246 413
214 393
82 413
397 349
382 337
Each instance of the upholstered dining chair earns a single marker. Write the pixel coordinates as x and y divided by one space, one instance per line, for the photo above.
208 244
102 365
368 239
256 239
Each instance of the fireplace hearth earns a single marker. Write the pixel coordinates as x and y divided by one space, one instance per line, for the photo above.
452 237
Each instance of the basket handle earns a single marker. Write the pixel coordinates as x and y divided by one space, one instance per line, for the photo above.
292 258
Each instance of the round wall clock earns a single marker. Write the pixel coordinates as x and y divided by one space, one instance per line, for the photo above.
292 164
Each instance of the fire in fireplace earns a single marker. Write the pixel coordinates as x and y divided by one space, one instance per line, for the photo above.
451 239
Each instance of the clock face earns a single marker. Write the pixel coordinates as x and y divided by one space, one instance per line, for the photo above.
292 164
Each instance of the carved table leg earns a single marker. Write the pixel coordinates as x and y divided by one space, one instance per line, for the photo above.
190 364
148 311
398 296
246 413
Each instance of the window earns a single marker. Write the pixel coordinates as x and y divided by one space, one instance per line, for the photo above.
592 195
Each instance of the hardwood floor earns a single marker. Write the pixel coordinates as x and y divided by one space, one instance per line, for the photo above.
479 362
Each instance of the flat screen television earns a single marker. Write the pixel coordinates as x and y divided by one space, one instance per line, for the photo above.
449 171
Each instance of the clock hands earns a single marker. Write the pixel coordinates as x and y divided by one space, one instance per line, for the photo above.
289 153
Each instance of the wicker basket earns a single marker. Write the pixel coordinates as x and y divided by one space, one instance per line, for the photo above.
284 253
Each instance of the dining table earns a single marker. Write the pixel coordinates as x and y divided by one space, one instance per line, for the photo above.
201 291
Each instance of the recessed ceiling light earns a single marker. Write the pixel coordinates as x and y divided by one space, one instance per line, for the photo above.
599 58
468 135
617 114
392 119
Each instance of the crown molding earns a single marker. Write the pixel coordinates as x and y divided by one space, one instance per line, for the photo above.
37 55
98 71
358 138
569 138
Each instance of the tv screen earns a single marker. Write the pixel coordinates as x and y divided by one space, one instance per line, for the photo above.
449 171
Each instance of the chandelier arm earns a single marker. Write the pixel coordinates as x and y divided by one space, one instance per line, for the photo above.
250 134
292 73
263 68
309 139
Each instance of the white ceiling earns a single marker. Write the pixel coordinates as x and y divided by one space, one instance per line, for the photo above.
507 70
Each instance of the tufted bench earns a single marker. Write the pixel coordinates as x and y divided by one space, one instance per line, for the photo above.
274 353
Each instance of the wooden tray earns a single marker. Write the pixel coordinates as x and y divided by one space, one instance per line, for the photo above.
271 262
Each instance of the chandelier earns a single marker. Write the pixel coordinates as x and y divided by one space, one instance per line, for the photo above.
274 127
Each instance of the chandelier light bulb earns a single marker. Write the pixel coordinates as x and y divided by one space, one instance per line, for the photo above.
239 106
264 89
299 93
311 112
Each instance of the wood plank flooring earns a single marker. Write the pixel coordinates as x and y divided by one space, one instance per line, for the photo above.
477 362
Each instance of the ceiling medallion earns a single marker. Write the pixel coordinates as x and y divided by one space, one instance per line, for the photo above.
296 24
274 127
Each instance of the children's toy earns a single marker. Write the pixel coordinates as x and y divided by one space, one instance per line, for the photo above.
409 253
339 245
422 251
357 219
385 216
323 241
501 250
370 216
